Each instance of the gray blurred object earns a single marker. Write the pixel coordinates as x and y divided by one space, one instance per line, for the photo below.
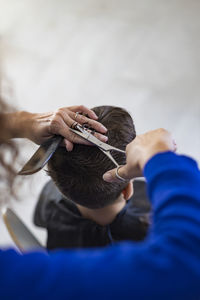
41 156
21 235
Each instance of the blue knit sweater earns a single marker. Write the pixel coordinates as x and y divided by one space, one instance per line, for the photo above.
164 266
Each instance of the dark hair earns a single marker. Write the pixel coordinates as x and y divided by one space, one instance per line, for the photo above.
78 174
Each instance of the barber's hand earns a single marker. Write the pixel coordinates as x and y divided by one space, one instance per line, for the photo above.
139 151
39 127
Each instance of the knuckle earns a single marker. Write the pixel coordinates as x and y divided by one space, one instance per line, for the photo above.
54 125
56 115
93 124
164 132
62 111
98 135
59 112
82 107
72 137
82 119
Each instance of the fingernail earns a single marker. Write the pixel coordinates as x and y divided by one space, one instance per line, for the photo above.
104 128
95 116
68 146
104 138
107 177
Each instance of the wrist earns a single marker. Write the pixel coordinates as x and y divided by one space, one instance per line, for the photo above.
17 124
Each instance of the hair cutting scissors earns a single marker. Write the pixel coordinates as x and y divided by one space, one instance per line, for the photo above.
88 135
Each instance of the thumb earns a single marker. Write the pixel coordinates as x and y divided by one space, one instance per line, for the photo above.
110 176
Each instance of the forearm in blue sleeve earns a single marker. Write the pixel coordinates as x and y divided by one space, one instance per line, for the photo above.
164 266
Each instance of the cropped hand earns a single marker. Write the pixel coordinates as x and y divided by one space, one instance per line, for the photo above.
139 151
39 127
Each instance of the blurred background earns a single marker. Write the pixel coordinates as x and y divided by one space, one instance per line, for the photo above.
138 54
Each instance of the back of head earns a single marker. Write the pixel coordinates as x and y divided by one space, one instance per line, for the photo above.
78 174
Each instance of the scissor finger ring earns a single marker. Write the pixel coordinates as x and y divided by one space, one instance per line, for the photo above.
74 125
118 176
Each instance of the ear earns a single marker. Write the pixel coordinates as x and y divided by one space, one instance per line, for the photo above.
128 191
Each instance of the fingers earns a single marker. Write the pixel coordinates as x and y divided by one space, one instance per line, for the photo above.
65 115
101 137
43 126
73 138
81 119
124 172
110 176
69 146
139 151
64 118
84 110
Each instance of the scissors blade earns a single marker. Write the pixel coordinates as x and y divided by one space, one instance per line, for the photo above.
108 147
41 156
86 135
92 139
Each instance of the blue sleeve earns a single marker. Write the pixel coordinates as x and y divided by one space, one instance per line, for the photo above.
165 266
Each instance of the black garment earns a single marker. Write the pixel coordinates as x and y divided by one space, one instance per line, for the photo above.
67 228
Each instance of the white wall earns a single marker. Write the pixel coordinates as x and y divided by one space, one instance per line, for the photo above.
142 55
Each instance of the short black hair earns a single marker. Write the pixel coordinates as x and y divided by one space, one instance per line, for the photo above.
78 174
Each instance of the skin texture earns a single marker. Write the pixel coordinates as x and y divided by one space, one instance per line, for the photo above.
38 127
139 151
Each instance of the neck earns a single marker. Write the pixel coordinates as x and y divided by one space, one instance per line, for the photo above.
103 216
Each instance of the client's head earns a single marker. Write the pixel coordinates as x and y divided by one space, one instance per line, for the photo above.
78 174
